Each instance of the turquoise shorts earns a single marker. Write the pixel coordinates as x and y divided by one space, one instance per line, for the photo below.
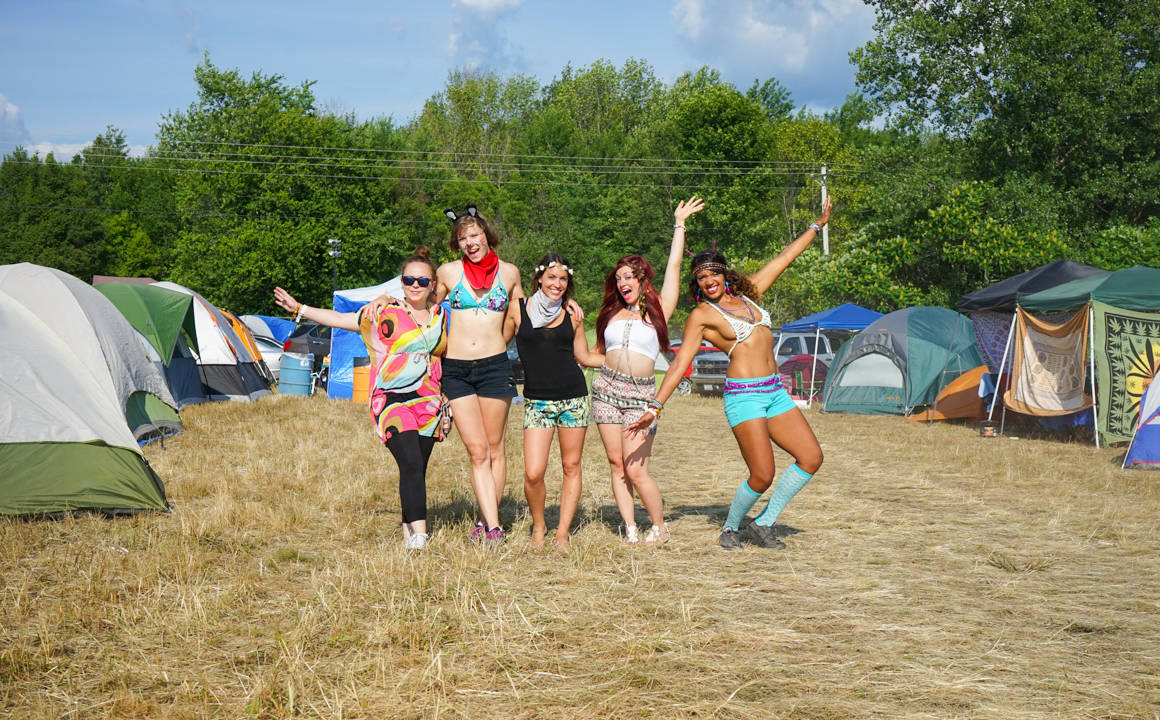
752 398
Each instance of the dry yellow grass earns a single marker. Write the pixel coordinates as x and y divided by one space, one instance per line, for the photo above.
930 573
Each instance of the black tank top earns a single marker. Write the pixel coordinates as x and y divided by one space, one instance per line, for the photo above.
550 369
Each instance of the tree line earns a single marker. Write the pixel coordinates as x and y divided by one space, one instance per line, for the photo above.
985 139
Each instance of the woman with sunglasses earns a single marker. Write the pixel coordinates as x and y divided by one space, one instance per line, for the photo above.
403 341
477 378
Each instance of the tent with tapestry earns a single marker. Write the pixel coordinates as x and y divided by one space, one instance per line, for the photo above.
900 362
345 345
992 309
1144 452
164 318
102 339
227 368
1122 309
65 444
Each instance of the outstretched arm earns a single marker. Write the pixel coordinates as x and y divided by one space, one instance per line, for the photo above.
322 316
763 278
671 288
694 333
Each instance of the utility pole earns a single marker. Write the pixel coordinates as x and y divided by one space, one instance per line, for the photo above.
335 252
826 227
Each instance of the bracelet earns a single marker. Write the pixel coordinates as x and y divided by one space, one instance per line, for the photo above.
298 315
816 228
678 227
655 407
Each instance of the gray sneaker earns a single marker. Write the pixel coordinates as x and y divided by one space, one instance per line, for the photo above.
729 539
766 536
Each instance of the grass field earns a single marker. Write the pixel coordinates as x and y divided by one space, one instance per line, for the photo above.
930 573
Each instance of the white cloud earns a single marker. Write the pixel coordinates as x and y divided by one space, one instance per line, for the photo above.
477 40
805 44
488 7
12 130
61 152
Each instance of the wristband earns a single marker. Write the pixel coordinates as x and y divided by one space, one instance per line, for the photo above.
816 228
678 227
298 315
655 408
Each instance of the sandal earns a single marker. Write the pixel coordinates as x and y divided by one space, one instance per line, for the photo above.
630 535
657 535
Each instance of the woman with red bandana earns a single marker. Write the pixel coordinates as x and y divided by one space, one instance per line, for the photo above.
631 330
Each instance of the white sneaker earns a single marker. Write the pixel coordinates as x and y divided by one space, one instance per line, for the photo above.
417 541
630 535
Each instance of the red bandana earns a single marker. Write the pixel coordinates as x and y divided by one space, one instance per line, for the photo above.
481 274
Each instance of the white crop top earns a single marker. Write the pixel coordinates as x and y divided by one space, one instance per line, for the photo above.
639 337
742 328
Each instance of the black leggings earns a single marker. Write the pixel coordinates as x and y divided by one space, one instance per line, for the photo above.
412 451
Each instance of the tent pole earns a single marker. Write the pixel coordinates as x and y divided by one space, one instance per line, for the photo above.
1092 345
814 366
1002 365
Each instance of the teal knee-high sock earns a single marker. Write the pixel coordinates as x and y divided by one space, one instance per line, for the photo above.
743 500
792 480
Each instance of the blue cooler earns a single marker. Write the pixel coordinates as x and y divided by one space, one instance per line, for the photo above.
294 373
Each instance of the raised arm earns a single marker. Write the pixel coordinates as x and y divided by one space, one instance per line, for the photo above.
671 288
322 316
763 278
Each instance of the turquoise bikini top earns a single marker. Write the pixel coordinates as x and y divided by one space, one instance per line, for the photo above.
496 299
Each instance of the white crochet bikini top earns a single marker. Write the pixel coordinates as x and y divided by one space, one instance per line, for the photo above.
637 336
742 328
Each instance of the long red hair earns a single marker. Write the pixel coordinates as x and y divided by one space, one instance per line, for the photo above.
613 303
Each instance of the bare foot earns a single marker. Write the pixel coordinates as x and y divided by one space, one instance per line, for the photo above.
562 541
538 534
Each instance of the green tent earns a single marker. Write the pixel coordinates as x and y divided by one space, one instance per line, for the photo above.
900 362
166 319
1134 288
65 444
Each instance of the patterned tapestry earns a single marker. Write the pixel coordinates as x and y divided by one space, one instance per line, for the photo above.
1127 358
1047 374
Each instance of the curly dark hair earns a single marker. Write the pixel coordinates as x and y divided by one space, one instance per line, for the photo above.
738 283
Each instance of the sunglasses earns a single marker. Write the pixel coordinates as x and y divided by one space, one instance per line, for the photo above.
422 281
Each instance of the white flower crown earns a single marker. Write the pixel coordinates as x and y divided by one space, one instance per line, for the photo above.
542 268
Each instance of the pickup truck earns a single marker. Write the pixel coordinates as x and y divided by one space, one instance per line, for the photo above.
708 376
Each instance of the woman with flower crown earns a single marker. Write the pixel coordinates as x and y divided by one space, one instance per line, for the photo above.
551 340
759 410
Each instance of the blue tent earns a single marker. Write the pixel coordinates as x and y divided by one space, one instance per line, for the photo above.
345 345
842 317
1145 448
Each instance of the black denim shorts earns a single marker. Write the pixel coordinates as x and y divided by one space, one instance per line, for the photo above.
486 377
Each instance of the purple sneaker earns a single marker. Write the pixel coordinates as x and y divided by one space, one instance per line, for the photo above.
495 536
478 532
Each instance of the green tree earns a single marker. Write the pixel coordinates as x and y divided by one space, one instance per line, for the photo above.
1066 90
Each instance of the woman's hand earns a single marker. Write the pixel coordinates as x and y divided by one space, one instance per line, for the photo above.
641 425
285 301
826 208
376 306
685 208
574 307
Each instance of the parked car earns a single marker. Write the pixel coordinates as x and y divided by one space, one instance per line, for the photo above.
310 337
686 385
790 344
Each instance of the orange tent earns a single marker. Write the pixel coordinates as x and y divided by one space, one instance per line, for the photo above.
959 399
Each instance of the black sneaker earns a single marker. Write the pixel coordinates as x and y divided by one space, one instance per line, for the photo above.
766 536
729 539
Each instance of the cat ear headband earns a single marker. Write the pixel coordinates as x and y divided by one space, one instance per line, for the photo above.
469 211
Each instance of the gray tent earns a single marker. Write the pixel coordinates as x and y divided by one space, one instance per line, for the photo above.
101 338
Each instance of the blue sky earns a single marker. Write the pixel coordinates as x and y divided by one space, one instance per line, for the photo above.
68 68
